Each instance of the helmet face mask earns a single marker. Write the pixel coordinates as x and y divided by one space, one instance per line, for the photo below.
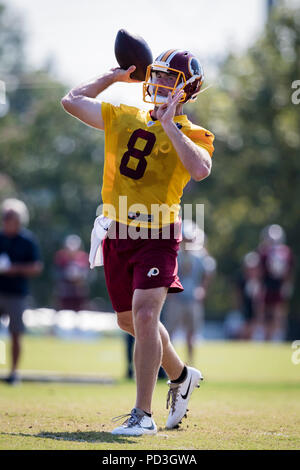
184 66
157 91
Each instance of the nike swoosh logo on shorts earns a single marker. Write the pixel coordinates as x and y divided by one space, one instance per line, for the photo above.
186 394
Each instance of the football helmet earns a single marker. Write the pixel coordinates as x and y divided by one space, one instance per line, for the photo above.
186 69
273 235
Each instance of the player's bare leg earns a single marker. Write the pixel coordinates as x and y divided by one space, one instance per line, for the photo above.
148 352
171 362
174 367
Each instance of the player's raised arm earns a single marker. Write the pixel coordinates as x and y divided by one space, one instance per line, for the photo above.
81 101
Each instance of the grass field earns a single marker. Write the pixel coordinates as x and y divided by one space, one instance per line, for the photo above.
249 400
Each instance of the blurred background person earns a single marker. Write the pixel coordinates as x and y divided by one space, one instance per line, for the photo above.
71 265
19 260
276 260
129 343
196 269
249 296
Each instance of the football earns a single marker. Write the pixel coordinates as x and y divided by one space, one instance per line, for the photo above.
133 50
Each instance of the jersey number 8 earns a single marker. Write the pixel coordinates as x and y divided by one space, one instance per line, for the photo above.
137 153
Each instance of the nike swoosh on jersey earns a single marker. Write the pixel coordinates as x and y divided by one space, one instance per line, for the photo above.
186 394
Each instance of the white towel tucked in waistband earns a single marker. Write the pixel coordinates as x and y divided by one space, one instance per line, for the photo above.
99 232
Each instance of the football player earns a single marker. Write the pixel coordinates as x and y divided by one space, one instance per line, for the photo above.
277 266
149 158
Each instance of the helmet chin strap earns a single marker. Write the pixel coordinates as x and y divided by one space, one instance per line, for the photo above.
160 100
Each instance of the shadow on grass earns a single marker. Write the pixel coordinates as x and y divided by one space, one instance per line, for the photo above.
89 436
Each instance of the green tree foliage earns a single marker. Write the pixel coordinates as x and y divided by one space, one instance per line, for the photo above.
50 161
256 165
11 43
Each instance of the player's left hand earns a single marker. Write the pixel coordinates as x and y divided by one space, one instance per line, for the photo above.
166 112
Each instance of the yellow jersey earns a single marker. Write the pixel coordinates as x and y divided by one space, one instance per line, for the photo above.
143 177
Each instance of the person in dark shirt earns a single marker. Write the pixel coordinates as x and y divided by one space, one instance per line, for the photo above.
19 260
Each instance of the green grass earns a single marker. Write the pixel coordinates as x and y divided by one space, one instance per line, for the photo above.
249 400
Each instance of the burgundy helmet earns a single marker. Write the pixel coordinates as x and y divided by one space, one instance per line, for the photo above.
189 76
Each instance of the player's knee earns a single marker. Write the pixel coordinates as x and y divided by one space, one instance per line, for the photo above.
125 324
145 317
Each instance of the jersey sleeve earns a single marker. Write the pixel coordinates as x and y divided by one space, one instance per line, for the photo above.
203 138
111 113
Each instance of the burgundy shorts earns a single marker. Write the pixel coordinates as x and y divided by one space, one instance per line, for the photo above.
140 264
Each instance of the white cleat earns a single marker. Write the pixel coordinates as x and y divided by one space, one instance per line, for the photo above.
180 395
137 424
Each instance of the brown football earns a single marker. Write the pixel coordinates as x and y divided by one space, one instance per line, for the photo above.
133 50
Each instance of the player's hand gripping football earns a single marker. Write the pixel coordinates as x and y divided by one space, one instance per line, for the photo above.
122 75
166 112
